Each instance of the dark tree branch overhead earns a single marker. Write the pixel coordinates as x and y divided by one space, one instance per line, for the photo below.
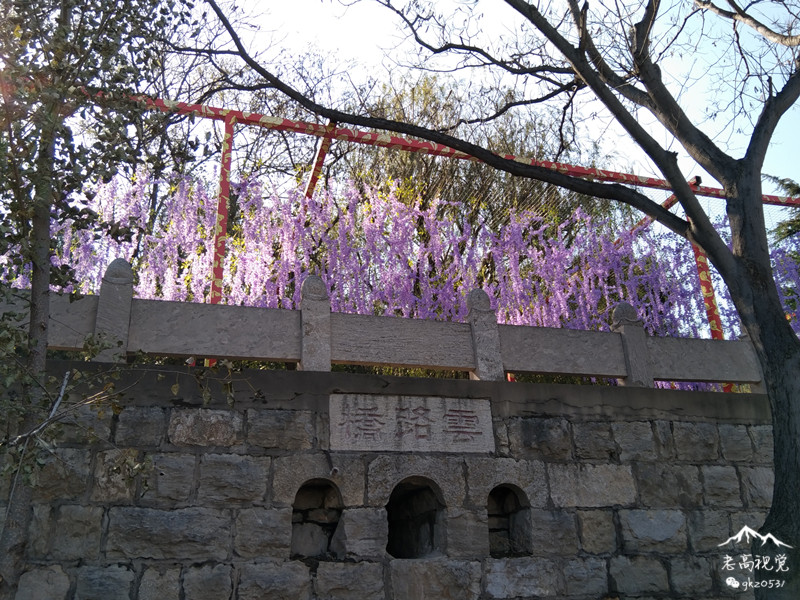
741 16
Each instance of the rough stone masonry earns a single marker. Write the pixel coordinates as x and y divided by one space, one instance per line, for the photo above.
323 486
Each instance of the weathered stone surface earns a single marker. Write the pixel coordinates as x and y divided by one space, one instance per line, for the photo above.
638 575
48 582
691 575
170 478
635 440
598 535
735 442
696 441
515 577
86 423
586 577
361 533
115 475
160 585
665 485
285 429
141 426
594 440
346 472
762 443
232 478
553 533
467 533
288 580
104 583
721 486
349 581
77 532
309 539
205 427
263 532
757 485
591 485
707 529
209 582
484 474
537 437
435 579
64 475
38 544
663 439
369 422
188 533
653 531
386 471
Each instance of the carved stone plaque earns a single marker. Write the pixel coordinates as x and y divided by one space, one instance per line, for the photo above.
410 424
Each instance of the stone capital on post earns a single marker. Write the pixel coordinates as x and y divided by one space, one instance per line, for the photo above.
315 308
113 319
626 322
485 338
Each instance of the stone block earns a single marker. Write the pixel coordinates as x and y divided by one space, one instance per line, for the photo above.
232 478
386 471
757 485
594 441
598 534
522 577
435 579
763 444
205 427
696 441
77 533
87 423
104 583
64 475
115 474
707 529
361 533
39 530
345 472
467 533
539 437
635 440
721 486
263 532
47 582
553 533
141 426
284 429
160 585
484 474
691 576
653 531
287 580
208 582
735 443
309 539
349 581
663 439
170 479
586 577
638 575
669 486
185 534
591 486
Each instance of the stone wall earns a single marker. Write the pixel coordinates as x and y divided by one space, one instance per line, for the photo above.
583 492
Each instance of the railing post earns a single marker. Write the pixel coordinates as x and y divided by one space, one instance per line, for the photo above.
634 343
113 320
485 338
315 309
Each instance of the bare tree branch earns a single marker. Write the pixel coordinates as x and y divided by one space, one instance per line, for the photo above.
742 17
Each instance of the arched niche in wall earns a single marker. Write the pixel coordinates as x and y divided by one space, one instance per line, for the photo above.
315 516
416 519
509 522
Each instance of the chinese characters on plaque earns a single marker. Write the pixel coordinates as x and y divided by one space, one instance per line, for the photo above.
410 423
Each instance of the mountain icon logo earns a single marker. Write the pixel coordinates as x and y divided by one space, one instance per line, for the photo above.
746 534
